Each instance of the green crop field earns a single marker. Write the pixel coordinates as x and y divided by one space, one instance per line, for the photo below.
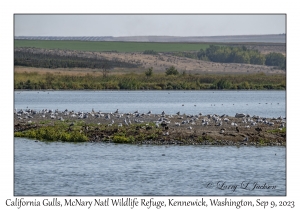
111 46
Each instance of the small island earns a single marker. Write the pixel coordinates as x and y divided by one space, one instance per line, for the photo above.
148 128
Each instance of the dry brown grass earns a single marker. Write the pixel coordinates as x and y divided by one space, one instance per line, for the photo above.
62 71
159 63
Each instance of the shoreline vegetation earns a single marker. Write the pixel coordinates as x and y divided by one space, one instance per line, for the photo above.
147 81
211 67
148 128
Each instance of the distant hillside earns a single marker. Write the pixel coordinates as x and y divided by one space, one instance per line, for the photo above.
269 38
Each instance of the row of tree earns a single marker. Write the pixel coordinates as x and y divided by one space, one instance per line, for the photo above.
47 60
226 54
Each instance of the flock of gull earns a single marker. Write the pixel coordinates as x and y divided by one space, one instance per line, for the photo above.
164 120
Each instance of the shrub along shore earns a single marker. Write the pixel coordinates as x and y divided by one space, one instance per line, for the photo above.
148 81
147 128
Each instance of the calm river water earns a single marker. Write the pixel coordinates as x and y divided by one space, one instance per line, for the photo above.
117 169
262 103
57 168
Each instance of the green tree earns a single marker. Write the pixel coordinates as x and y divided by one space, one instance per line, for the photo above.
149 72
257 58
223 84
171 71
201 54
276 59
241 57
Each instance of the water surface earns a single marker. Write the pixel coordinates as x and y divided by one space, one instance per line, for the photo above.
262 103
118 169
57 168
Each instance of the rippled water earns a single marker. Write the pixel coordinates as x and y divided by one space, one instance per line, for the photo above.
262 103
58 168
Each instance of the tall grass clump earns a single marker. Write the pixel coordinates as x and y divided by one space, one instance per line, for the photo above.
53 133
